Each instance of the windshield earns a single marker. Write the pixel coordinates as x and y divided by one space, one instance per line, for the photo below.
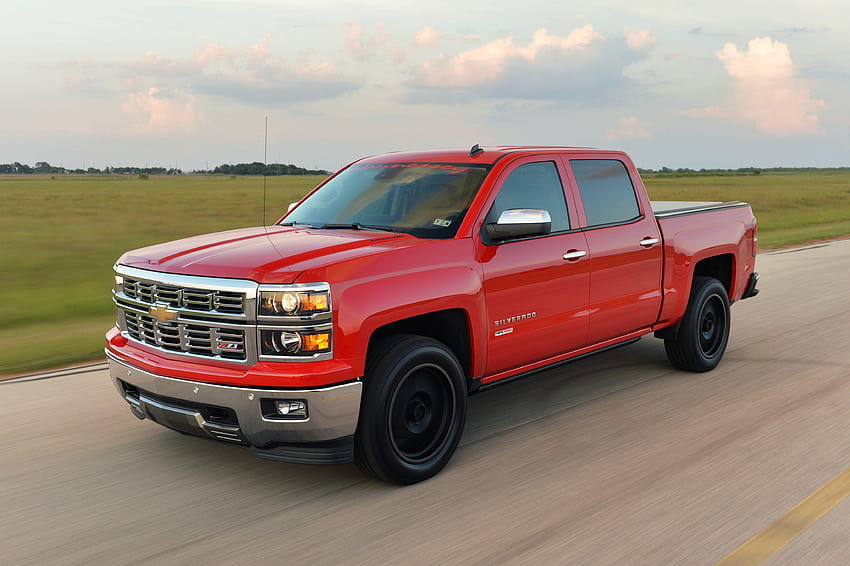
428 200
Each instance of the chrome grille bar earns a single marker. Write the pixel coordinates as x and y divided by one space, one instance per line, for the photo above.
191 338
195 299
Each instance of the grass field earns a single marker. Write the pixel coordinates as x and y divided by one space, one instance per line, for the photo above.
61 236
790 207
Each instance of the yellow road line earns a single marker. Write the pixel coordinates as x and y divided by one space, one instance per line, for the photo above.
764 545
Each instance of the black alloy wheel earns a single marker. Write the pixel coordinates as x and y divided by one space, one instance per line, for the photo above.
420 413
703 332
712 325
413 409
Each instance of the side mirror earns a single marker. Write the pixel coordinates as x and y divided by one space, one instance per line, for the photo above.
291 206
519 223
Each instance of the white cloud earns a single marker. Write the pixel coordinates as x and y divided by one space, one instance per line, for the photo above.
629 128
152 64
213 53
362 45
580 66
767 90
487 62
355 41
251 75
163 112
639 39
426 37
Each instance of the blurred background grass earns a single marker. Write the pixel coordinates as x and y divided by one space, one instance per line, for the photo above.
791 207
62 235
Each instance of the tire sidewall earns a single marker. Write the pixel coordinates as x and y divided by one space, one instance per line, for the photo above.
400 358
706 290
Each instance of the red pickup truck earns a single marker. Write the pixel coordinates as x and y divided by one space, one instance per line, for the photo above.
356 327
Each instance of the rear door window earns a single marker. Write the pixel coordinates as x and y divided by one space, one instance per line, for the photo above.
606 191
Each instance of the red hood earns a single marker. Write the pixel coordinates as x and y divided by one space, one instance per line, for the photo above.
275 254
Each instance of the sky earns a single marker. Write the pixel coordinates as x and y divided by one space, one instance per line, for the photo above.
192 83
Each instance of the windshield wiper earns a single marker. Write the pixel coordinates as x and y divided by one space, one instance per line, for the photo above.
354 226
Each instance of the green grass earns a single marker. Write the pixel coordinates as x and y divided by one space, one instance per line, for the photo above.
60 238
791 207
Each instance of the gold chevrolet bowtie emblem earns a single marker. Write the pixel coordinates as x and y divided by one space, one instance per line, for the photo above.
162 313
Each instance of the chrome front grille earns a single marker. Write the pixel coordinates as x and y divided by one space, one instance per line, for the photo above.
188 315
198 338
151 293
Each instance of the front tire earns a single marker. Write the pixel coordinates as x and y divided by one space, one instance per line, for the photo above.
413 410
704 330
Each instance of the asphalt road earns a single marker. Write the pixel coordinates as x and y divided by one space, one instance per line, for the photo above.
616 459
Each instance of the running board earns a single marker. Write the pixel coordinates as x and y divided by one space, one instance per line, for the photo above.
523 375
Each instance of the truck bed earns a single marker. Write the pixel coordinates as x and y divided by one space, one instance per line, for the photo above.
669 208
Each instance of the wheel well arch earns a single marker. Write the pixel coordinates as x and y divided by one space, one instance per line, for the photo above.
451 327
719 267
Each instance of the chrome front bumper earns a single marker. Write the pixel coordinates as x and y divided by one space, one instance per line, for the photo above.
242 416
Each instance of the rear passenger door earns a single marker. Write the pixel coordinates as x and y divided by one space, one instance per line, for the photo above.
625 249
536 288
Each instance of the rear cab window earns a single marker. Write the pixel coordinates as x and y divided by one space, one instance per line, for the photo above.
606 191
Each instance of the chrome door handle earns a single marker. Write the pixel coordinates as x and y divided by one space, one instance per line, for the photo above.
576 254
646 242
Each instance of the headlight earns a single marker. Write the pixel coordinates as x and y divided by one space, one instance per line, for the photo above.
295 322
293 303
294 342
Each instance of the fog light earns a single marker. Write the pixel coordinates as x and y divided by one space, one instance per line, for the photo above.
291 409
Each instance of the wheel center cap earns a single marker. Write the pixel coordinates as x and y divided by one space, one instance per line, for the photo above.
419 411
417 415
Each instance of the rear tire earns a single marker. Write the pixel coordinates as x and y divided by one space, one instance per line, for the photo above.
413 410
704 330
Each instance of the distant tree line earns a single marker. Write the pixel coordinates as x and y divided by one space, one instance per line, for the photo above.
271 169
256 168
45 168
686 172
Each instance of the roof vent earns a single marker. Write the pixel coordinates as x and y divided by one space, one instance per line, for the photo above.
475 150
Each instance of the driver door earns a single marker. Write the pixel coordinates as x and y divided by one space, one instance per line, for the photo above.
536 289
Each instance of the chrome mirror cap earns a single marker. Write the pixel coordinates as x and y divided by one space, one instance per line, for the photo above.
518 223
524 216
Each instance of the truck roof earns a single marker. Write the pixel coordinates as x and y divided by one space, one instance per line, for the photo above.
485 155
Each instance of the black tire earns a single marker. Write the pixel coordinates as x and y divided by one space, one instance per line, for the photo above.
412 412
704 330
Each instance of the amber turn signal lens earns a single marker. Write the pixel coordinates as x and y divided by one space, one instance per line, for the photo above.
314 302
316 342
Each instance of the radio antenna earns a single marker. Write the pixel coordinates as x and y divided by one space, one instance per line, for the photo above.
265 165
265 154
